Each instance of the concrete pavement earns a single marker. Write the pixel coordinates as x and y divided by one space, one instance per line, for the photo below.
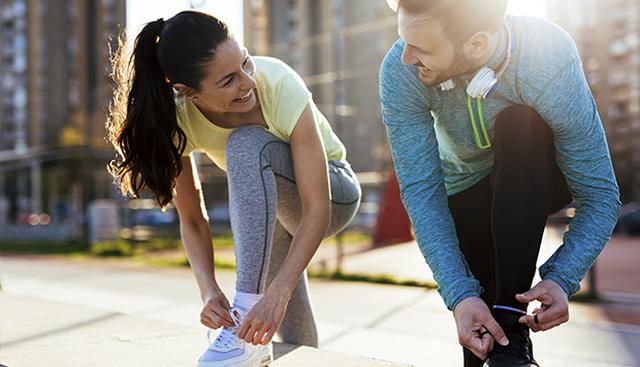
60 312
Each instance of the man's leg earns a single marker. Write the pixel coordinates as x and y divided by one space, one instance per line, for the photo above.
471 211
526 182
527 187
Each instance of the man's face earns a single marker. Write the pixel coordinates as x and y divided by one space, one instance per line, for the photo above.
427 47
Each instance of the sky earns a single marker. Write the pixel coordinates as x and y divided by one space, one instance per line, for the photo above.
528 7
140 12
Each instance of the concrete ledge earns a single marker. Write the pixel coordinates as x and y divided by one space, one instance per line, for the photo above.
287 355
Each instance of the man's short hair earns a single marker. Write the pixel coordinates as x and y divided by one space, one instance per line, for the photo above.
461 18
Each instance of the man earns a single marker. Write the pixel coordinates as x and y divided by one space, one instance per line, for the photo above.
492 128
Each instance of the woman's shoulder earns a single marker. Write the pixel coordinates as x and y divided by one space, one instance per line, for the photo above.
272 64
274 70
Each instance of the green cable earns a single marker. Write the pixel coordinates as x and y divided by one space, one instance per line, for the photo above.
482 124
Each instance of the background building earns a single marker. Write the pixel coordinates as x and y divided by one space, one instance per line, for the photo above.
607 35
337 47
54 94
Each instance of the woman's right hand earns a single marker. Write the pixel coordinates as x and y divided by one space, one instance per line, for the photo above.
215 312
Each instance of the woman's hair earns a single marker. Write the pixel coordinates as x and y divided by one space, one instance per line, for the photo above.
142 124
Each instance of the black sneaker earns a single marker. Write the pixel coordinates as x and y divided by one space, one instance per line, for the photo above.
519 352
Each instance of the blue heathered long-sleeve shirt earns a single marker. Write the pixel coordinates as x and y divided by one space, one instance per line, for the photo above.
435 152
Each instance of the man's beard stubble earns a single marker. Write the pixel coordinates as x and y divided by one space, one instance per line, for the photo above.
460 66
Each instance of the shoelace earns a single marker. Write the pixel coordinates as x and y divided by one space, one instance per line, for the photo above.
227 337
526 351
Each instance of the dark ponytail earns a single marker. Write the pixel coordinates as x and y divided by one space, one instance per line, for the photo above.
142 124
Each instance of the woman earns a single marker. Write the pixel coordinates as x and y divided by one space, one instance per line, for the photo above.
193 87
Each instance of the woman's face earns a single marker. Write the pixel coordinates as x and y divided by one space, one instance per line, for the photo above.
228 85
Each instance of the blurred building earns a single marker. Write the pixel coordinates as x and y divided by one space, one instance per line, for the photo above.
607 34
54 94
337 47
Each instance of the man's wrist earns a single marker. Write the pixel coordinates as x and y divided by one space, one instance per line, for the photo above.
462 297
562 283
466 300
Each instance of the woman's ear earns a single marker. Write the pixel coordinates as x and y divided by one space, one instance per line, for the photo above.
185 91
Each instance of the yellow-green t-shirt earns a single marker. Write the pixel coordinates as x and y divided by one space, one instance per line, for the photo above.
283 96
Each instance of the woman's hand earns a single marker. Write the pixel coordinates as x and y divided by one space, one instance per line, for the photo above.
215 312
264 319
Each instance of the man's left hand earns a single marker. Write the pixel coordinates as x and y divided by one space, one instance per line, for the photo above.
554 309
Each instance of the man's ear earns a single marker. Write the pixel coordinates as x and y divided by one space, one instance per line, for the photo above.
476 46
185 91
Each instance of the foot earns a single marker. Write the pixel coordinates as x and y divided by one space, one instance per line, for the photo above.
519 351
228 350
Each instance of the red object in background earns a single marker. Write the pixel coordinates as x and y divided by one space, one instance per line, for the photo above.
393 225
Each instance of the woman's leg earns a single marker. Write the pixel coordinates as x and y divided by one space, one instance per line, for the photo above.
298 326
265 209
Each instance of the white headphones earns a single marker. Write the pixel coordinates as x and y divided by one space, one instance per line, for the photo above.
486 79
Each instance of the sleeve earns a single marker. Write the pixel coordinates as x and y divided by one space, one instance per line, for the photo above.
410 130
188 148
189 144
293 98
566 104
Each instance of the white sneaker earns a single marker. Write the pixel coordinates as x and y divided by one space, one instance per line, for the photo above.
228 350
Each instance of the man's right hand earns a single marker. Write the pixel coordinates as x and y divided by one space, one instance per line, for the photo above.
473 320
215 312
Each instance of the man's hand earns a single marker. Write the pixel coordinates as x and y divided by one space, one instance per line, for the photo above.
554 310
477 329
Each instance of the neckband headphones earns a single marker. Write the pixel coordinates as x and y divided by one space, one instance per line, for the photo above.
486 79
483 84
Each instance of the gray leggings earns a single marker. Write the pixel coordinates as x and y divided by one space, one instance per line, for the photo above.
265 210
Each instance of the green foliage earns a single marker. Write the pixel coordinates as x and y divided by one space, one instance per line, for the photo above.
112 248
367 278
157 244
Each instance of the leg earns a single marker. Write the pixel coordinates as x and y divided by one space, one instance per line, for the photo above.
252 203
471 211
298 326
527 187
261 187
526 182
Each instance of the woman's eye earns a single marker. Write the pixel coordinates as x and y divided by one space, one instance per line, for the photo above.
246 64
229 82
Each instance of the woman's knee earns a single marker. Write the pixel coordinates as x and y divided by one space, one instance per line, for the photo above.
247 138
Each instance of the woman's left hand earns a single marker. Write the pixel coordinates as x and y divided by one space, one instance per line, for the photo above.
264 319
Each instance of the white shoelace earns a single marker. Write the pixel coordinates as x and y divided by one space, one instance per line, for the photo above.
227 339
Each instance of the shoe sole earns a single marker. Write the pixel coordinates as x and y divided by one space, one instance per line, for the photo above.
256 361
